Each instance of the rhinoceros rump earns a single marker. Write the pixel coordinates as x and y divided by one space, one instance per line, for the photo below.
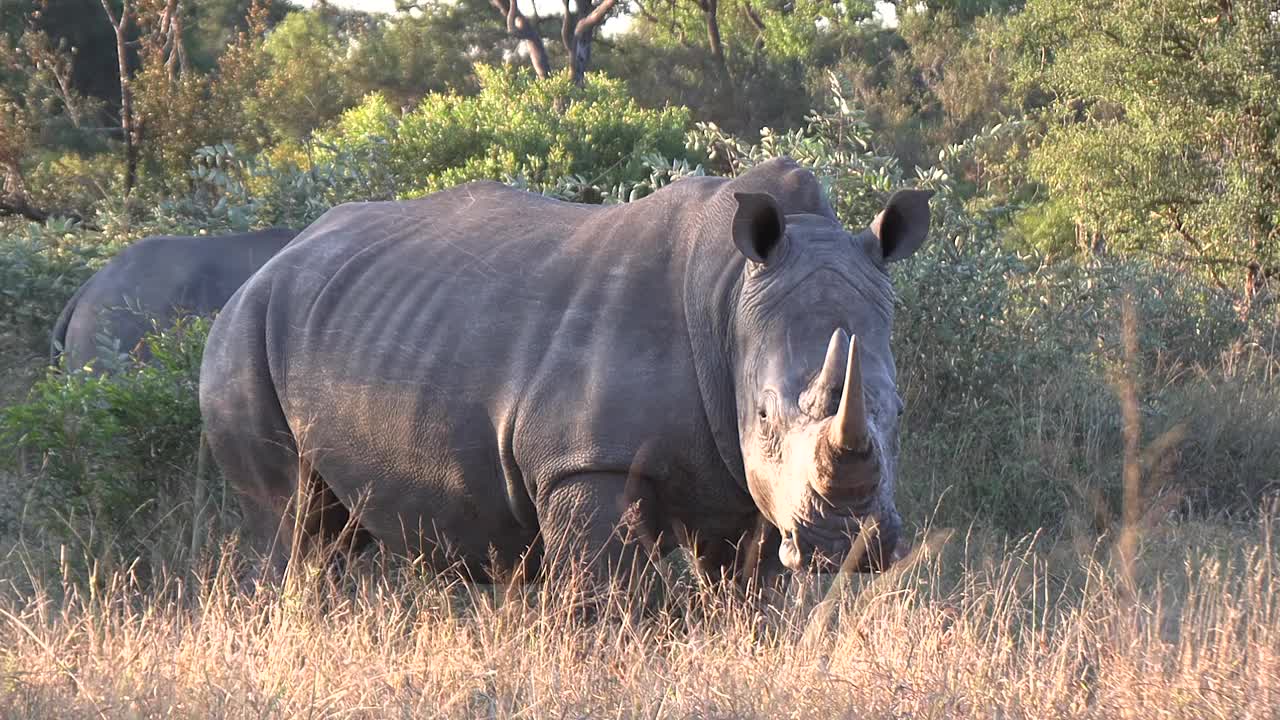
157 279
484 372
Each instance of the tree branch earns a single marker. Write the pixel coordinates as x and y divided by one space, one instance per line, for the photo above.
566 29
22 208
19 206
645 13
596 17
111 15
519 27
583 34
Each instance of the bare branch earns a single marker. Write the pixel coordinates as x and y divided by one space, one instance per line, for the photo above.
754 16
645 12
596 16
111 15
121 26
519 27
566 28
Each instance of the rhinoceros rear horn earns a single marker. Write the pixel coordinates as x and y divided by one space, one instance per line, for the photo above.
830 377
848 429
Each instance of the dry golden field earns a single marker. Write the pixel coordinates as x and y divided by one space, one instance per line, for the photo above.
962 628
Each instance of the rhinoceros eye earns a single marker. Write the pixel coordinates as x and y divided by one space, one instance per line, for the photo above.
770 433
768 405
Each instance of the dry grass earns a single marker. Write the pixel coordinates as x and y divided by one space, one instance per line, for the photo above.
963 629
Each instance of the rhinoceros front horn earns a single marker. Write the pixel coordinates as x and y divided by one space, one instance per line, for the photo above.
848 429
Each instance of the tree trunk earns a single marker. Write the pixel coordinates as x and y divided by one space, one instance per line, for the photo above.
711 14
121 26
567 24
584 34
14 199
518 26
173 48
19 206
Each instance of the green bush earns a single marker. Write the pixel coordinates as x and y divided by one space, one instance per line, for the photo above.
1009 370
235 192
74 182
116 450
41 266
517 126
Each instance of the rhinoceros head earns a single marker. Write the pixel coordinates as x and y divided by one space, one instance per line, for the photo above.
817 399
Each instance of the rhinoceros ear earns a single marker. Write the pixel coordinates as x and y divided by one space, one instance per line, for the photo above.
758 225
903 224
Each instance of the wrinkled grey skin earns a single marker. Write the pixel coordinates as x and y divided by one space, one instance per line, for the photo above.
156 279
486 371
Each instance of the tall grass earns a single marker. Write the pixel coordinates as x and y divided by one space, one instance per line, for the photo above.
966 627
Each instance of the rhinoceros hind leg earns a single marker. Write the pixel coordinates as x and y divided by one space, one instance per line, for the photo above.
316 521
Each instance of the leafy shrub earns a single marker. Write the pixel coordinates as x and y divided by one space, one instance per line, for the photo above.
836 145
839 147
300 92
116 449
235 192
579 188
1009 370
517 125
75 182
1047 228
41 266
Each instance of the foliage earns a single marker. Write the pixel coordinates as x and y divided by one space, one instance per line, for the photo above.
1164 129
757 77
938 78
836 146
235 192
17 135
41 266
300 91
39 104
516 125
1048 229
112 445
74 182
578 188
1008 367
407 55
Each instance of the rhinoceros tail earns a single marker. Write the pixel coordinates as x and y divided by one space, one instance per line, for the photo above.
58 338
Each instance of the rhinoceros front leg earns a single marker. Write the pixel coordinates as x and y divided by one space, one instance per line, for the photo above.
747 558
601 522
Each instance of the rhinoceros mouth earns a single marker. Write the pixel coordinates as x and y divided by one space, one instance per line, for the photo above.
822 539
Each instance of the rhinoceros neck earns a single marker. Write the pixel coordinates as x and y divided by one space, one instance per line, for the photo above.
712 281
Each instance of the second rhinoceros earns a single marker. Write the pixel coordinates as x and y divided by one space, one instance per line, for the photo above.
152 283
484 371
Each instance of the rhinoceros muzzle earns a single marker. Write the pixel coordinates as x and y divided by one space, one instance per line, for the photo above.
827 547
